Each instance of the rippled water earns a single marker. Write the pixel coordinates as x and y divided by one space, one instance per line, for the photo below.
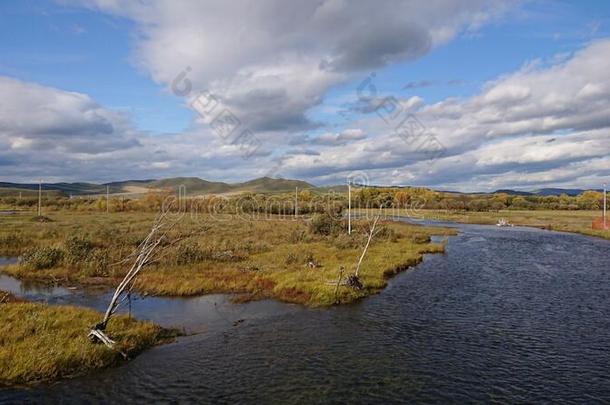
506 315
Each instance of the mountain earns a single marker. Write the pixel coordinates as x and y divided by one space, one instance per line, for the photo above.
559 191
512 192
197 186
546 192
64 188
267 184
193 186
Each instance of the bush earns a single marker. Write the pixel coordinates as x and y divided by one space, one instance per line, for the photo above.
386 233
77 250
189 253
12 241
97 263
325 224
41 257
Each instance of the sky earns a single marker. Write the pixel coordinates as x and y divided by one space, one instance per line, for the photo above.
454 95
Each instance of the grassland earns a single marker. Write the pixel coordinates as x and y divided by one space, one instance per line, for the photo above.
255 258
41 343
556 220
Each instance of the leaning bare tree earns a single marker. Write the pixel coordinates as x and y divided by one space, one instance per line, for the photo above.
148 250
353 280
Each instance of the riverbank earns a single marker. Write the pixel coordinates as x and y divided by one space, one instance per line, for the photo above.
564 221
42 343
290 260
559 220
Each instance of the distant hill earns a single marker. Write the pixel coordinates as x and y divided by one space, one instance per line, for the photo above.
193 186
546 192
197 186
66 188
512 192
559 191
267 184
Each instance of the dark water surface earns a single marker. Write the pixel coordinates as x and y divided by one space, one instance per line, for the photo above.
506 315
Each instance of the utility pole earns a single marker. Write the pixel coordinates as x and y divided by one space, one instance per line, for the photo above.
605 216
296 202
349 208
107 199
40 197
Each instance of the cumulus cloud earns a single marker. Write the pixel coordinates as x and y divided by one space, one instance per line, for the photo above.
271 61
526 127
60 135
44 118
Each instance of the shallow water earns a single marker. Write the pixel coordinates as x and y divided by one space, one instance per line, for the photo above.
506 315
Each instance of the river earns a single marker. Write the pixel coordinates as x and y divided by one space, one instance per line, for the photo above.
505 315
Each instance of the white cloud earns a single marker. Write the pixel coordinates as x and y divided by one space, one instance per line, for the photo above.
44 118
525 127
270 61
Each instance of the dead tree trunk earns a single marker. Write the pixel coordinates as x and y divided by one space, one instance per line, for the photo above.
143 256
353 280
368 242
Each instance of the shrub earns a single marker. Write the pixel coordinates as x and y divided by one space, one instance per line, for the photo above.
12 241
387 234
189 253
324 224
39 258
77 250
97 263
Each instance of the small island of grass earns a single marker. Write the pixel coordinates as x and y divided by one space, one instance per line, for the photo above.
40 342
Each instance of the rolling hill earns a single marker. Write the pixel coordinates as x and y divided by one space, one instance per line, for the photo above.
193 186
197 186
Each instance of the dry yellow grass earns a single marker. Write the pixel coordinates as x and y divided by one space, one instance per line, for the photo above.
40 343
257 258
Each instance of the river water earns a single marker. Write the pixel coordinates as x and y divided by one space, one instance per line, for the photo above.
505 315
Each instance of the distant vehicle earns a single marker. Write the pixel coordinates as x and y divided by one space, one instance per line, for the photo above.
502 222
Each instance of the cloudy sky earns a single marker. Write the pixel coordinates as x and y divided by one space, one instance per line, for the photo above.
461 95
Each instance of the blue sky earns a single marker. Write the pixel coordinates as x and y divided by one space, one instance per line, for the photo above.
117 55
80 50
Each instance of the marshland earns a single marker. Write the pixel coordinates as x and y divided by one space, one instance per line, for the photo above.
294 248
